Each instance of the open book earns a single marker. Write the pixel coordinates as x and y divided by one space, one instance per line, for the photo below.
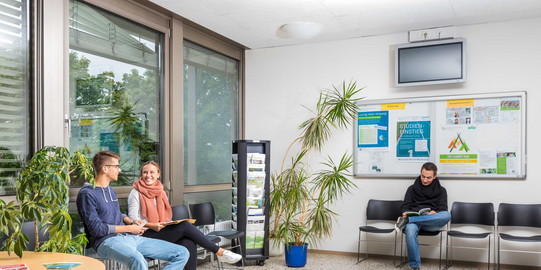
421 212
179 221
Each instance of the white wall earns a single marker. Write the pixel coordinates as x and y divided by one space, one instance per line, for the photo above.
54 65
502 57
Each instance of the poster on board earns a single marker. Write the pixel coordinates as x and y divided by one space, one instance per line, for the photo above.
413 140
373 129
467 136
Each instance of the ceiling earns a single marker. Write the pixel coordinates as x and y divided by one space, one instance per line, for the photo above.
256 23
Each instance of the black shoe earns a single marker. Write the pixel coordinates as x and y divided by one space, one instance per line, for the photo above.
400 224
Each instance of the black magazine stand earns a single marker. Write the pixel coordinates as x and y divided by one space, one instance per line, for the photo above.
241 151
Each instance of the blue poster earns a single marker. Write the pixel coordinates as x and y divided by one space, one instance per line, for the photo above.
108 141
373 129
413 139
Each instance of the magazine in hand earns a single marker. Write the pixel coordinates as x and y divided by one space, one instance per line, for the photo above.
61 265
179 221
421 212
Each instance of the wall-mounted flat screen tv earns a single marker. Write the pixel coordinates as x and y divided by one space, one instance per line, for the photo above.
432 62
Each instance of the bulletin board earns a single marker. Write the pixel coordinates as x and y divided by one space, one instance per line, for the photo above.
466 136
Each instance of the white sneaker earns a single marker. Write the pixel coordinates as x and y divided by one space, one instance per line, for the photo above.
229 257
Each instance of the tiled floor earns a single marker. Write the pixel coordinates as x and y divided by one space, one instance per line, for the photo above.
318 261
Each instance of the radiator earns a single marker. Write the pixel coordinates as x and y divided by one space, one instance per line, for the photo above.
220 226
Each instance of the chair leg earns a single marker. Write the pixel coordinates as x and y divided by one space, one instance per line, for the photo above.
488 261
359 248
394 250
220 266
448 249
499 253
366 247
240 251
449 253
359 259
234 243
441 241
404 259
110 264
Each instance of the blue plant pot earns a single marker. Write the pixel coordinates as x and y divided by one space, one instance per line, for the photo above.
296 255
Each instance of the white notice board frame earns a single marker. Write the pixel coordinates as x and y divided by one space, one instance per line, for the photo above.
466 136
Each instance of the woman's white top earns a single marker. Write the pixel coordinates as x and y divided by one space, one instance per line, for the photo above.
134 207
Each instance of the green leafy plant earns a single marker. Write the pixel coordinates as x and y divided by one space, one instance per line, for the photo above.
300 199
131 132
43 197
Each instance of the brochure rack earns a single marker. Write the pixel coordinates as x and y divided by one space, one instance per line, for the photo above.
251 175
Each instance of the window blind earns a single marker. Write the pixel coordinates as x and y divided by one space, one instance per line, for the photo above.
201 57
95 31
14 92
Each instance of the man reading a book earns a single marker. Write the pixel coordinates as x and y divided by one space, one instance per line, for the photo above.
114 235
426 192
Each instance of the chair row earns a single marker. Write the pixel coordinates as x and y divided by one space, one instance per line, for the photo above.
480 215
379 210
204 214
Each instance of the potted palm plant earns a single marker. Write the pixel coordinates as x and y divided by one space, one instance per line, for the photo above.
43 197
300 198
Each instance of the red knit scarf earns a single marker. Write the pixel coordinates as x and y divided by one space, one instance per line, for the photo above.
159 212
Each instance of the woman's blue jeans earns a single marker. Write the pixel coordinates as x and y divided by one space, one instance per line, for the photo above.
430 223
131 250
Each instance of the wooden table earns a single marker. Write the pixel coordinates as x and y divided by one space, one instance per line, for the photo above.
34 260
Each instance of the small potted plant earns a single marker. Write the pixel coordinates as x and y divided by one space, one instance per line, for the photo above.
43 197
300 198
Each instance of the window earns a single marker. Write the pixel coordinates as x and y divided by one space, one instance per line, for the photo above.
211 95
15 118
115 86
210 115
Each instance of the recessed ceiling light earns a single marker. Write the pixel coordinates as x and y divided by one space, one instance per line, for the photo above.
300 30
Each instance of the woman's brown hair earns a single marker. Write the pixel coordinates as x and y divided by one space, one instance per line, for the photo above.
149 162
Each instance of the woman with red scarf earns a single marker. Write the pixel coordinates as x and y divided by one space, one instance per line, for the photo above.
148 205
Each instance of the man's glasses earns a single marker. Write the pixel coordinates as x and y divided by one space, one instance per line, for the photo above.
117 166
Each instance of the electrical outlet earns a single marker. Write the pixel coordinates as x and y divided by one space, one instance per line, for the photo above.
432 34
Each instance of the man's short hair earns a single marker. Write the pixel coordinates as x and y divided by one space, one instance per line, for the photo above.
429 166
100 158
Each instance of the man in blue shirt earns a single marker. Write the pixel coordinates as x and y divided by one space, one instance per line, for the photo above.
114 235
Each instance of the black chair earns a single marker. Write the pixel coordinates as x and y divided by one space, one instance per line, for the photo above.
521 215
180 212
204 214
378 210
29 230
2 239
464 213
